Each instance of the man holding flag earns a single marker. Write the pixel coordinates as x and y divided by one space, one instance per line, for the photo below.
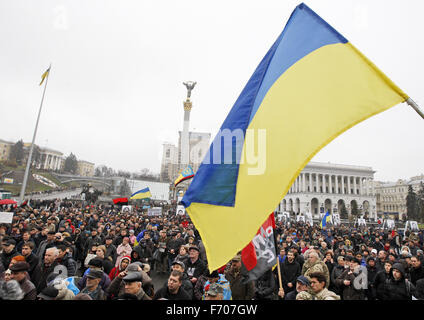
325 219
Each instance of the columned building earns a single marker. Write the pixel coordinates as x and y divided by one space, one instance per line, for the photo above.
337 188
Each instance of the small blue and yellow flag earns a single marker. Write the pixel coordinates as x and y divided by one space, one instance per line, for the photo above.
325 219
141 194
185 174
311 75
44 75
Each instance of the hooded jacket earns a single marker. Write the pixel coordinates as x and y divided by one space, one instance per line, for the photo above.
401 289
118 269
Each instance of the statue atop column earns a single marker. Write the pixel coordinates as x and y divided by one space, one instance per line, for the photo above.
189 85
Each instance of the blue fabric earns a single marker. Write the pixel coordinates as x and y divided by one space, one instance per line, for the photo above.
72 286
305 32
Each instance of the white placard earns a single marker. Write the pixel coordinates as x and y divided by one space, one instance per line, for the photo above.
6 217
155 211
390 223
308 216
126 209
180 210
300 218
362 222
336 219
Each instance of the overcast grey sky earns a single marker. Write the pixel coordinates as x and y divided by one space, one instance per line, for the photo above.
115 91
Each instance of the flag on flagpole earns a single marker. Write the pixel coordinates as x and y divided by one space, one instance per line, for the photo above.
260 254
185 174
311 75
44 75
141 194
325 219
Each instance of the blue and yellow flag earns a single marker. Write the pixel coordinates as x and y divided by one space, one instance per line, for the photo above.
325 219
310 87
142 194
185 174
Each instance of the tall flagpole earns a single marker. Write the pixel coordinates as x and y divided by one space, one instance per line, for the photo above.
28 165
415 107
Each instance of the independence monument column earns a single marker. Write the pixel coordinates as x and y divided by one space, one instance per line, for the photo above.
185 152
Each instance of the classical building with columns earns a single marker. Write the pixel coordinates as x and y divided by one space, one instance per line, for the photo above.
49 159
335 187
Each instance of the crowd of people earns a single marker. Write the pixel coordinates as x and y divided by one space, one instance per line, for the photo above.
67 250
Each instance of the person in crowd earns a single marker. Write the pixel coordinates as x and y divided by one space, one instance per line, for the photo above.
240 289
416 271
187 286
95 264
381 278
122 266
92 286
47 267
106 262
20 274
195 266
398 287
111 252
353 281
371 274
123 249
133 288
172 291
49 242
117 288
318 287
9 251
214 292
303 285
65 258
337 271
290 271
314 264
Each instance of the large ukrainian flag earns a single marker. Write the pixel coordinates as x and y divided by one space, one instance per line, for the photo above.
141 194
310 87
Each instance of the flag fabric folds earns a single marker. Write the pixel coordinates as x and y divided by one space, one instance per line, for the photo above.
185 174
260 254
325 219
141 194
310 87
123 201
44 75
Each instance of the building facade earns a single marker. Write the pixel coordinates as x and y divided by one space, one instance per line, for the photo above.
391 196
48 159
338 188
169 165
85 168
5 147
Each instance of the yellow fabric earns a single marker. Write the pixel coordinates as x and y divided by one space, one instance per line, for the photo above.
318 98
44 75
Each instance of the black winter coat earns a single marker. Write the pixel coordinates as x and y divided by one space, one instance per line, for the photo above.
289 274
265 287
416 274
398 289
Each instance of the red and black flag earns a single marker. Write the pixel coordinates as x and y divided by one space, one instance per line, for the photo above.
122 201
260 254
